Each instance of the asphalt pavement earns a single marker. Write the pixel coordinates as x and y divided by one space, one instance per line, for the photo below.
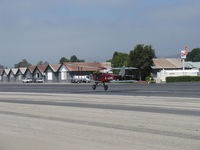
47 121
73 116
166 90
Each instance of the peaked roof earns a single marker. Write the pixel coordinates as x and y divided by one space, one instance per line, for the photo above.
1 71
42 68
86 66
23 70
14 70
31 68
7 71
170 63
55 67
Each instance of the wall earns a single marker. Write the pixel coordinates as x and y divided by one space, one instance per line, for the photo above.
12 77
54 75
28 74
37 74
5 77
161 76
63 75
19 76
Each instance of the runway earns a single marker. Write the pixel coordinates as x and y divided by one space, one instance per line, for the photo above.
163 90
57 121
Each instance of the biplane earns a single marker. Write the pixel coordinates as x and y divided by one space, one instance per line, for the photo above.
105 75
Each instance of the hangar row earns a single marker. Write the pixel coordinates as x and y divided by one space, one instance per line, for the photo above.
162 68
52 72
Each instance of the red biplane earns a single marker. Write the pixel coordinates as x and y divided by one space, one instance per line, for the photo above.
104 75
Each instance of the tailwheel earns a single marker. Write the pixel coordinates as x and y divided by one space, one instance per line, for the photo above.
94 86
105 87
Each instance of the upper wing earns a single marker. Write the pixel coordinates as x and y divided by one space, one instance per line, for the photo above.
123 70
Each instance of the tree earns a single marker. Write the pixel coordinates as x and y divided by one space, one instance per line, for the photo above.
194 55
142 58
23 63
119 59
75 59
42 63
1 66
63 59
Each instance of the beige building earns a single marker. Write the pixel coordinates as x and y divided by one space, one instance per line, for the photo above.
168 67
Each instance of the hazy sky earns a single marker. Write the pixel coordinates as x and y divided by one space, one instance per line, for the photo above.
94 29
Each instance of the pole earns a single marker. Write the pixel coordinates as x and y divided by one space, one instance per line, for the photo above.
183 66
78 73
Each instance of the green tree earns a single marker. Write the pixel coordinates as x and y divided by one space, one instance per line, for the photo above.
1 66
42 63
142 58
75 59
23 63
63 59
119 59
194 55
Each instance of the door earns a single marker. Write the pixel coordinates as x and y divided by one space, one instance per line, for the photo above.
50 76
63 75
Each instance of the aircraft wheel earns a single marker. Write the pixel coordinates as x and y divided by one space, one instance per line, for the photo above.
105 87
93 87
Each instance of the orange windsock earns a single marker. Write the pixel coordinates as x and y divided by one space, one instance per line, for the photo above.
186 50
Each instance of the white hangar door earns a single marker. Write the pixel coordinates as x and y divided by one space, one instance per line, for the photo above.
50 76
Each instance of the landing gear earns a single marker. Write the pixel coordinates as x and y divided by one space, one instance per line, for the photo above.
94 87
96 84
105 87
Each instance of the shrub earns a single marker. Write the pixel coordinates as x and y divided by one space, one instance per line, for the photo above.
183 79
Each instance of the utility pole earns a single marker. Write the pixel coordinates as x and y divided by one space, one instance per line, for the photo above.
184 53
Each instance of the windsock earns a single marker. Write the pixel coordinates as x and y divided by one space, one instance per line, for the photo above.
186 50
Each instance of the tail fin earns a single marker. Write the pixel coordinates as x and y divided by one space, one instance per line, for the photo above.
122 72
